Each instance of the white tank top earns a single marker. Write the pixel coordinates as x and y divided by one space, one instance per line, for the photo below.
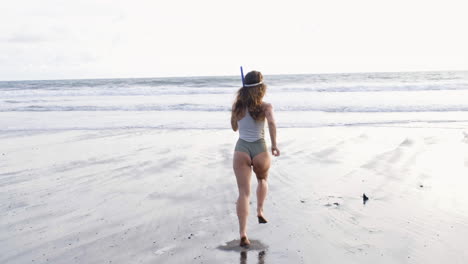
249 129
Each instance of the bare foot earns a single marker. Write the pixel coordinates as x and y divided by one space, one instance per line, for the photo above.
244 242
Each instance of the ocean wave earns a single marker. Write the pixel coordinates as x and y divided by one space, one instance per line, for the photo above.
378 88
188 90
222 108
65 108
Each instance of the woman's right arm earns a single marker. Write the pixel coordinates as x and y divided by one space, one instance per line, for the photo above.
233 121
271 128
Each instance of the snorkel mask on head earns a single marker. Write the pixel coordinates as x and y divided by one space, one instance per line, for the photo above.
243 80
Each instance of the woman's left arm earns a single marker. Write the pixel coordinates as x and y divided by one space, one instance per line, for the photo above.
271 128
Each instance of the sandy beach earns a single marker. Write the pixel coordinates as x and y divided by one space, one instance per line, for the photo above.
168 196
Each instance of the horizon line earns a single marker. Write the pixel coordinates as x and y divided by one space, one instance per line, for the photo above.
198 76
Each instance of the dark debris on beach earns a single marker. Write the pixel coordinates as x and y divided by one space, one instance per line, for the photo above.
364 198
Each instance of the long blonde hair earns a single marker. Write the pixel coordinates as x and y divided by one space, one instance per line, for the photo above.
250 98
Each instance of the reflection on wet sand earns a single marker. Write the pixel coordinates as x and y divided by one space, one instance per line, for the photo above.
254 247
261 257
243 257
233 245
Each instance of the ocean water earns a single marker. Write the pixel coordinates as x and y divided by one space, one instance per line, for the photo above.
428 99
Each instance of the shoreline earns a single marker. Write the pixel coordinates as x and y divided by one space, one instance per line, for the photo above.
162 195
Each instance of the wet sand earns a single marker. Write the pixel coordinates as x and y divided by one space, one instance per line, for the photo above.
168 196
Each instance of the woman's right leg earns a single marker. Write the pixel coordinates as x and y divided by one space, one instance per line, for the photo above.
261 165
242 169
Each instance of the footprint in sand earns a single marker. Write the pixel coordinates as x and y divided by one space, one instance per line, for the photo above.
164 250
465 137
333 201
406 143
389 157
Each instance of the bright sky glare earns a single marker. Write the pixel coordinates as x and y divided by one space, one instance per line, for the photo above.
53 39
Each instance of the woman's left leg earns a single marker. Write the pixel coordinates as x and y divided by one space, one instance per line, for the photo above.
242 169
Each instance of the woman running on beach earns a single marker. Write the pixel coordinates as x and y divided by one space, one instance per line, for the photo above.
248 115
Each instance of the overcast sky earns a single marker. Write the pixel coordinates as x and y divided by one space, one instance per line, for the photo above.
56 39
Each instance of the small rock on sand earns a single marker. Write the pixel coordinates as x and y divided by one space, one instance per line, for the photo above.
364 198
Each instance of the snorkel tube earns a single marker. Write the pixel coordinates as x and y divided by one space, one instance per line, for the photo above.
242 76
